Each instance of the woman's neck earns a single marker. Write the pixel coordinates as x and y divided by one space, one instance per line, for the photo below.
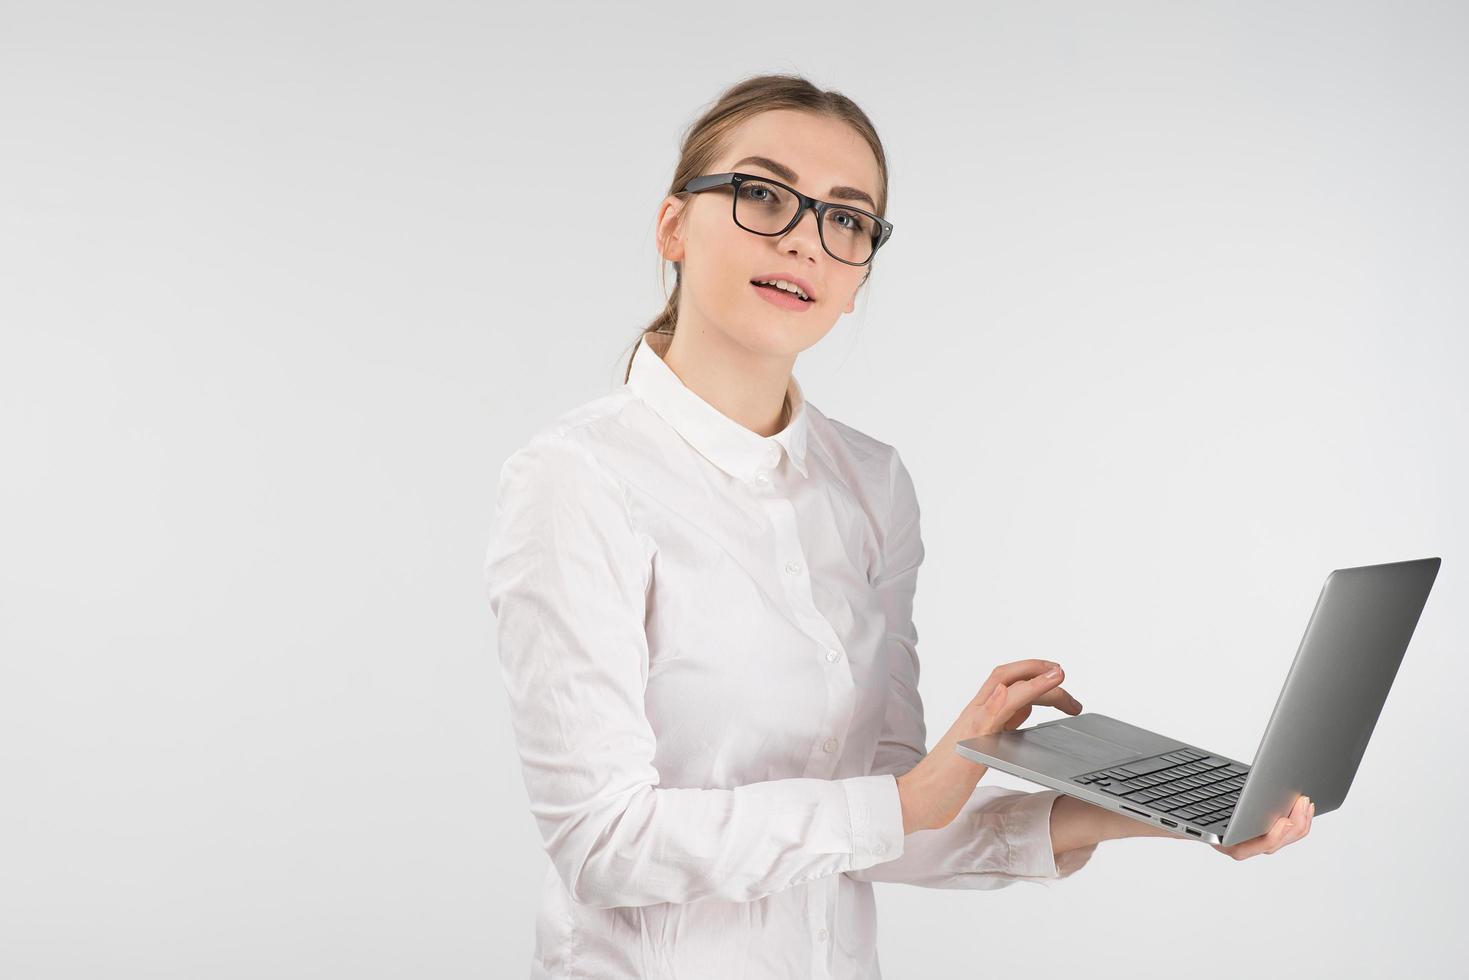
749 388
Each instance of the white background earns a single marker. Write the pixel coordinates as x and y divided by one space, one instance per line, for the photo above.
1173 323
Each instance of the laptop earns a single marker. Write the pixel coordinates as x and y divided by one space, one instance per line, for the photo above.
1313 742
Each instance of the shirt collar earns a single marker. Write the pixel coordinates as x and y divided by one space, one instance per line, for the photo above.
738 451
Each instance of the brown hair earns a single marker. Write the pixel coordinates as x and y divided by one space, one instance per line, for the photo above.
707 137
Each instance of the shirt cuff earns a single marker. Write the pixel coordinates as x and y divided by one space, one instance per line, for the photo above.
1026 826
876 814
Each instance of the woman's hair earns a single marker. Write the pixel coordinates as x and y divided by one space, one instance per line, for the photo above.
708 136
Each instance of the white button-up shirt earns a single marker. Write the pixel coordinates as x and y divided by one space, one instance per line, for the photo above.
708 646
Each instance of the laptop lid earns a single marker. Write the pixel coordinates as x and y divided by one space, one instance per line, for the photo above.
1332 697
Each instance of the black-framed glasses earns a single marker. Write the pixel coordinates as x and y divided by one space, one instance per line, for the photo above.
767 207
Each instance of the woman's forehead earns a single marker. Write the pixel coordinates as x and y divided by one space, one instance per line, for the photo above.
807 149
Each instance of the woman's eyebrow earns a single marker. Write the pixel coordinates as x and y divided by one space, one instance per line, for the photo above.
841 192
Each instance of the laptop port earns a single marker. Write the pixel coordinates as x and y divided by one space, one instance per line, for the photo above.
1138 812
1168 823
1193 831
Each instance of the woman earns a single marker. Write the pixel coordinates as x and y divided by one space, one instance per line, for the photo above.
704 589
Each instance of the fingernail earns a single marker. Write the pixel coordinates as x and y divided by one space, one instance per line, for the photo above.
1054 672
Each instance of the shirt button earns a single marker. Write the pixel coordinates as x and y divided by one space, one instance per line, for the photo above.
793 567
832 656
762 478
830 745
821 934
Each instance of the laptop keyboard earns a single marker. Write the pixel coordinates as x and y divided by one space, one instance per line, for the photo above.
1186 784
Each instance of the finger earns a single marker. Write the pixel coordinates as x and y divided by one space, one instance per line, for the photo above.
1279 834
1018 718
1043 689
1011 673
1275 840
1059 697
1303 828
1046 689
995 706
1294 819
1008 704
1266 842
1290 824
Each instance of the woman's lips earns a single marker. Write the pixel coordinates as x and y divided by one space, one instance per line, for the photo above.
781 298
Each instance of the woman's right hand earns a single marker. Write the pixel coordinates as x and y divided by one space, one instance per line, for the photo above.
934 791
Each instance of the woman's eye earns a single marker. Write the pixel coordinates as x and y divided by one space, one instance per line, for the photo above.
849 221
761 194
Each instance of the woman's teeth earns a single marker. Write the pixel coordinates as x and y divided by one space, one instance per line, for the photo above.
786 286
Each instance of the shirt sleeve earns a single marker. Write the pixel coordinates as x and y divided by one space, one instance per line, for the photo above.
1000 836
567 575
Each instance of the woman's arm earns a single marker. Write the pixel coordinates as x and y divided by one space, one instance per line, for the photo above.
1077 823
948 776
934 791
567 574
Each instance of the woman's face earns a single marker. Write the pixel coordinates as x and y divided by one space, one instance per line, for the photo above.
720 259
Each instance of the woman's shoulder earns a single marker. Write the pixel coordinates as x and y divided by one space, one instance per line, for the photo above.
580 435
557 492
853 450
874 472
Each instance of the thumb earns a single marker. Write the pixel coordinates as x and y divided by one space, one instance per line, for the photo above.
996 710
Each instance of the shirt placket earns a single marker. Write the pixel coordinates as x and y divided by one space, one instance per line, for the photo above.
835 721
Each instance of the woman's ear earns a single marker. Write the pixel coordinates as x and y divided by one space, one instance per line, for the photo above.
670 241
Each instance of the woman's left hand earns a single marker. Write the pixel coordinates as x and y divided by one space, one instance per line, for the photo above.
1287 830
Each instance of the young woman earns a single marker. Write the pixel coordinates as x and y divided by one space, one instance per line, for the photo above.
704 591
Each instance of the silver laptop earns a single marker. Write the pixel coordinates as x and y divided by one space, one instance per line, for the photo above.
1354 642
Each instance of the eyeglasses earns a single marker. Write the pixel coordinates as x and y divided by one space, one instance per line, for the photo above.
768 207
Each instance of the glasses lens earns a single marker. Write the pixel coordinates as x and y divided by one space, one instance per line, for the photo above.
849 235
767 208
763 208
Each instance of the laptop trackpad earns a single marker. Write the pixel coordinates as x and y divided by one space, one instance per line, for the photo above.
1084 748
